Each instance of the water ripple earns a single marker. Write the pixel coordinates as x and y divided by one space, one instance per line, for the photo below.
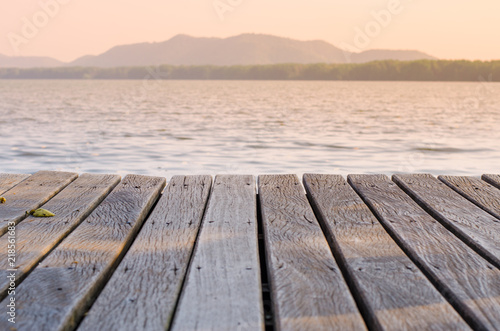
193 127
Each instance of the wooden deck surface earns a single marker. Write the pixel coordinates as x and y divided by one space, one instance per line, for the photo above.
236 252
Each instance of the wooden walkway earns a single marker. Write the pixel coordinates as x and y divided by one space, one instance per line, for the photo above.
413 252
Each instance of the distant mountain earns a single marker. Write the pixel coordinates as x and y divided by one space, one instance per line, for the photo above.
28 62
245 49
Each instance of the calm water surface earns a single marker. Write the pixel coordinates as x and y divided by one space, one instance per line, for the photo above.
193 127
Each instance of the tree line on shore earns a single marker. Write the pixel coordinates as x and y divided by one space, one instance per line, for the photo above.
387 70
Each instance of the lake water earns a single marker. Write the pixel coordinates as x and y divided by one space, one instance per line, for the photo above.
214 127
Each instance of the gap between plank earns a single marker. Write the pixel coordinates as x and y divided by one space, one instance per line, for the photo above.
264 273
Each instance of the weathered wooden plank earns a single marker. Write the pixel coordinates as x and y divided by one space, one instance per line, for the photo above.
31 194
468 281
492 179
37 236
393 293
307 286
477 191
7 181
223 288
473 225
59 291
144 289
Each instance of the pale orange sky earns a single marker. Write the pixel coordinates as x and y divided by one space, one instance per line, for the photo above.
457 29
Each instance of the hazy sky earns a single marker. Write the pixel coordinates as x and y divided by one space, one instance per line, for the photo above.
443 28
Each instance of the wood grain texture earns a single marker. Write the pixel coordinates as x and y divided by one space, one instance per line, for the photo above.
477 191
470 223
394 293
8 181
223 288
31 194
37 236
307 286
59 291
467 280
492 179
144 289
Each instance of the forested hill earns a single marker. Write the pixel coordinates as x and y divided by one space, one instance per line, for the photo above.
421 70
